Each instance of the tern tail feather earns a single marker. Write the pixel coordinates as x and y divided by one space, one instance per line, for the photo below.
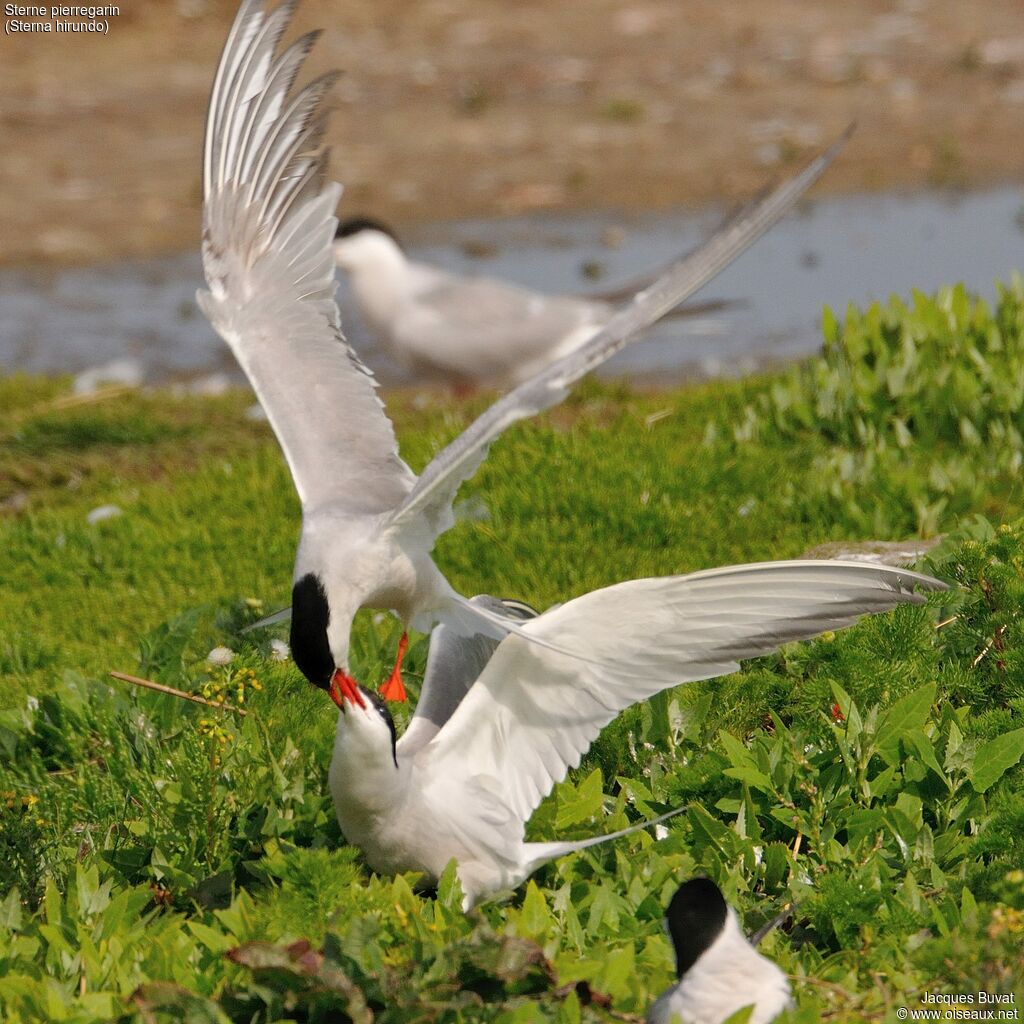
281 615
536 854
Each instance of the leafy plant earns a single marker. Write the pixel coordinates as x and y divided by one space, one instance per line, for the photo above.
167 861
921 405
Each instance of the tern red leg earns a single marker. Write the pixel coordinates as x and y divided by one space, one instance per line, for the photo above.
393 688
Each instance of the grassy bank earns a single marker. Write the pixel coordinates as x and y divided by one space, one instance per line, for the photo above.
873 776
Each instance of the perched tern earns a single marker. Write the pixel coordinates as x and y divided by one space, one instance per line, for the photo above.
719 970
368 522
461 329
482 751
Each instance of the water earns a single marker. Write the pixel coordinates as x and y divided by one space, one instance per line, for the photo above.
832 252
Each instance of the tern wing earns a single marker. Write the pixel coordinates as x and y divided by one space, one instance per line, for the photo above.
435 489
534 712
268 224
454 663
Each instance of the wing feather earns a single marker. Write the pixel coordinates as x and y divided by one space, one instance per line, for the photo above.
534 712
454 663
268 225
435 489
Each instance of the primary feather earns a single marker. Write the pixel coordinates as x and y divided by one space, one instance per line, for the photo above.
268 223
534 712
436 487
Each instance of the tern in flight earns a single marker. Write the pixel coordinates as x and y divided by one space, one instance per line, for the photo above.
490 738
462 329
719 970
368 522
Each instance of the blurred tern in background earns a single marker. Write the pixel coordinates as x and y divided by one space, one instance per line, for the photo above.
369 523
468 330
719 970
486 746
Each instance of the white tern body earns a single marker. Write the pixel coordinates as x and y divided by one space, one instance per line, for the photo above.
486 746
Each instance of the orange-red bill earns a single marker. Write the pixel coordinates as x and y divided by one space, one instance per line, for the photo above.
344 688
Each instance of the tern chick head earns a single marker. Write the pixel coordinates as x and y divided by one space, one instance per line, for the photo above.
696 917
365 243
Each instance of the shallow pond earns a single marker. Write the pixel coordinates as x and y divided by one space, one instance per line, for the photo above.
833 251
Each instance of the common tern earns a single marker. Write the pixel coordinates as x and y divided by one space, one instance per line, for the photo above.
368 522
464 330
482 751
719 971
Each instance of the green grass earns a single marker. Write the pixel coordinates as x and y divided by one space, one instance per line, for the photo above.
159 862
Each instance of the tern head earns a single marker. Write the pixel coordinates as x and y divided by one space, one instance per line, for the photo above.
366 730
362 243
320 651
696 917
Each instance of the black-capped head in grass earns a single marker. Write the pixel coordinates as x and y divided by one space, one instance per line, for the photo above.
695 919
719 971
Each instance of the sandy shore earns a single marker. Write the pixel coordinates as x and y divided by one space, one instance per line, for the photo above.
452 108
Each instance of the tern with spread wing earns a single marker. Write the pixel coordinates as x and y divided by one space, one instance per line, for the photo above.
463 329
368 522
482 751
719 970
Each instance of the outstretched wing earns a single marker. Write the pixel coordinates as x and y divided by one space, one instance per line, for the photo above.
534 712
454 663
268 224
434 492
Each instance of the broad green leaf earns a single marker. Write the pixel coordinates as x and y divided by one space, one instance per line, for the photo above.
910 712
619 973
569 1010
535 917
215 941
740 1016
922 747
449 888
735 750
10 911
995 758
750 775
583 804
776 864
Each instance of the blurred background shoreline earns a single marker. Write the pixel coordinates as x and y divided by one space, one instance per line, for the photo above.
135 322
451 110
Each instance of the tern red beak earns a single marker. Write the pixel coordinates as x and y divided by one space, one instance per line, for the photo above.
344 688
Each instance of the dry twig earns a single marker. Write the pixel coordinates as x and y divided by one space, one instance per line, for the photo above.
161 688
